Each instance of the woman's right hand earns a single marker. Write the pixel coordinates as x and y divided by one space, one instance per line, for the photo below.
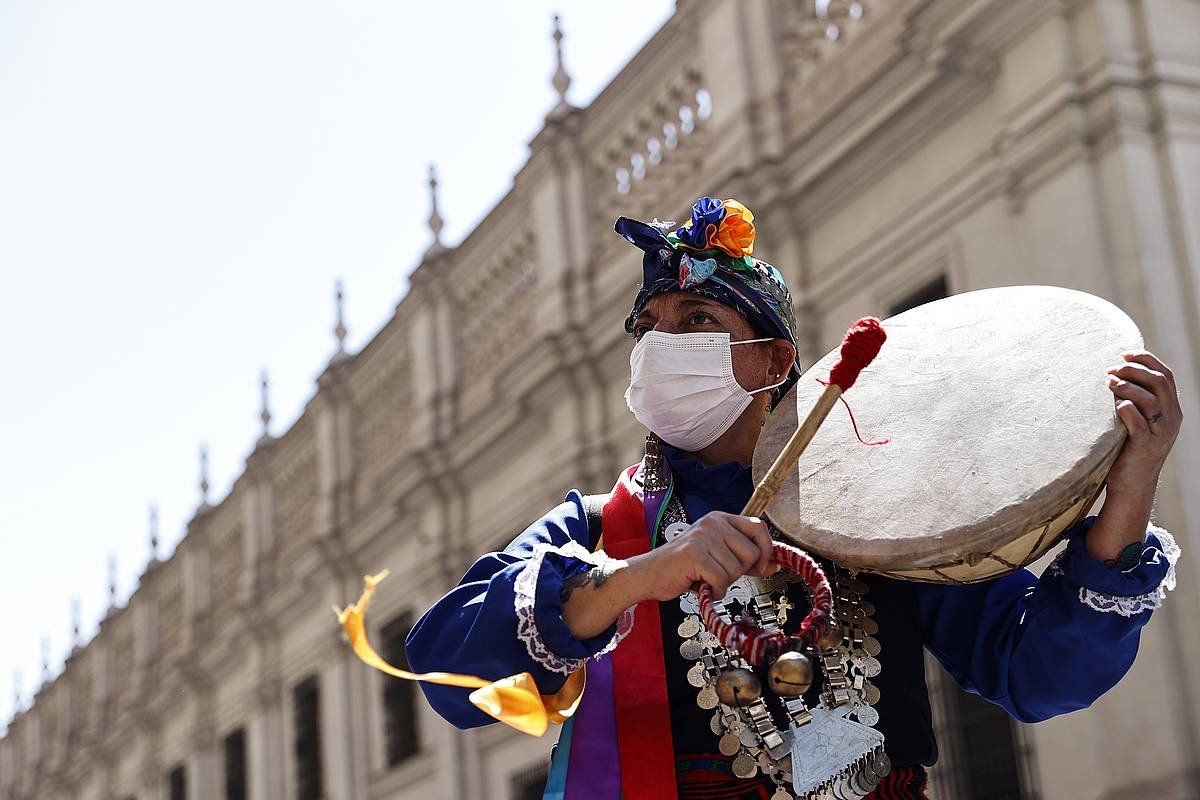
717 549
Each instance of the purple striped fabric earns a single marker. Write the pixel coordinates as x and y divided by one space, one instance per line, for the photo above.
593 771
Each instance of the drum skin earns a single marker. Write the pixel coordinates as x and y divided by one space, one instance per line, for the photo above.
1002 432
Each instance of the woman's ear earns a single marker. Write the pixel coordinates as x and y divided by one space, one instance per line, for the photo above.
783 356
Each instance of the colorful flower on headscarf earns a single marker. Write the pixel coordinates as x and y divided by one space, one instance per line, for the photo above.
726 226
707 214
735 234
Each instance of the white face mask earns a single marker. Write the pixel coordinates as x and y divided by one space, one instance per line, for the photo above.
683 389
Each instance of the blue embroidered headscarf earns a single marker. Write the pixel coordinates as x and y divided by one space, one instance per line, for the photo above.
710 255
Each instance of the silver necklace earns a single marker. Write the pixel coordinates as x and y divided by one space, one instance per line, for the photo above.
822 754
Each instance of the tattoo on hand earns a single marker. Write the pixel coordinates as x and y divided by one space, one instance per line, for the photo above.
596 576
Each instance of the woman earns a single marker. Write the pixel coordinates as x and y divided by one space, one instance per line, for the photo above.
715 351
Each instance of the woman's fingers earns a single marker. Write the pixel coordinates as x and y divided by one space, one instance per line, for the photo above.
1132 418
1153 362
715 575
728 560
755 530
746 549
1147 401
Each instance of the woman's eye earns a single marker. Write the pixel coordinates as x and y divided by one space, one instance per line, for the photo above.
700 318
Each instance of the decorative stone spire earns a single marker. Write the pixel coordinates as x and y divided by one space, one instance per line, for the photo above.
435 219
112 581
265 413
561 79
153 533
76 619
339 330
45 659
204 504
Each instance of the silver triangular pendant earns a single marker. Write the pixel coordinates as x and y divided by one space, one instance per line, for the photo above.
828 746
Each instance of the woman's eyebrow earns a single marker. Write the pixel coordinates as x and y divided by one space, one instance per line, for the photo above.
708 305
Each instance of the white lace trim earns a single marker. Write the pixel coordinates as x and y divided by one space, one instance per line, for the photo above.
525 588
1150 601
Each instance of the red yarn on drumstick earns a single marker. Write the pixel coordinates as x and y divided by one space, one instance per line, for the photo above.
860 345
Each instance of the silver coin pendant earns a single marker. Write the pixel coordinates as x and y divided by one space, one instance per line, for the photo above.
744 766
867 715
688 628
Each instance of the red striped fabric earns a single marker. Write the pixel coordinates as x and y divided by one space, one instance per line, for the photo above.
902 783
702 784
644 743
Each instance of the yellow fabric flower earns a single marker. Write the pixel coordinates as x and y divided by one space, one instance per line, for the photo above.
514 700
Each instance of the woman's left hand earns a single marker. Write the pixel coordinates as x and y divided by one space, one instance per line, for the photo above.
1149 407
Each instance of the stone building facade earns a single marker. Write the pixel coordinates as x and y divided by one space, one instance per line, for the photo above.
893 150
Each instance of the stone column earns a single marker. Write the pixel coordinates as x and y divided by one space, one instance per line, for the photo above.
334 425
203 764
266 758
153 779
197 596
258 541
337 729
344 731
459 764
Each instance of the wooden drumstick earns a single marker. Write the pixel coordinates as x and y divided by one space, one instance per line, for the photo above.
859 347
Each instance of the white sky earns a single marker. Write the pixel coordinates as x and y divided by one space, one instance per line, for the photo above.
180 185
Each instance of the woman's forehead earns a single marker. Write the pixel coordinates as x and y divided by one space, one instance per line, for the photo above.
675 302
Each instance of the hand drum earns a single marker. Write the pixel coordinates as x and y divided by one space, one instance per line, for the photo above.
1002 432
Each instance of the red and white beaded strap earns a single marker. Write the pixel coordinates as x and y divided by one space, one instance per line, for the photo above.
758 646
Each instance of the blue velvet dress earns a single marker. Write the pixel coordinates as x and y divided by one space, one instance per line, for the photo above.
1037 647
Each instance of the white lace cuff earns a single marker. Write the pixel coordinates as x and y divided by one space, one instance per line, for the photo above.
1150 601
525 590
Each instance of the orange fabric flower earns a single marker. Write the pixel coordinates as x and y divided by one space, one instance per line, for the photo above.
735 234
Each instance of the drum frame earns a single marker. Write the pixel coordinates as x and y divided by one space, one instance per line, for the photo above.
1048 531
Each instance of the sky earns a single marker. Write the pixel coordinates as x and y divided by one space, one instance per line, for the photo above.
180 186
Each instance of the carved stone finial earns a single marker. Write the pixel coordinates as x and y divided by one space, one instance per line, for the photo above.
435 219
339 330
76 621
112 580
153 533
265 413
45 658
204 505
561 79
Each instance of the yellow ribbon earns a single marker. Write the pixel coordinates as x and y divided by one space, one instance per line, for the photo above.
513 700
